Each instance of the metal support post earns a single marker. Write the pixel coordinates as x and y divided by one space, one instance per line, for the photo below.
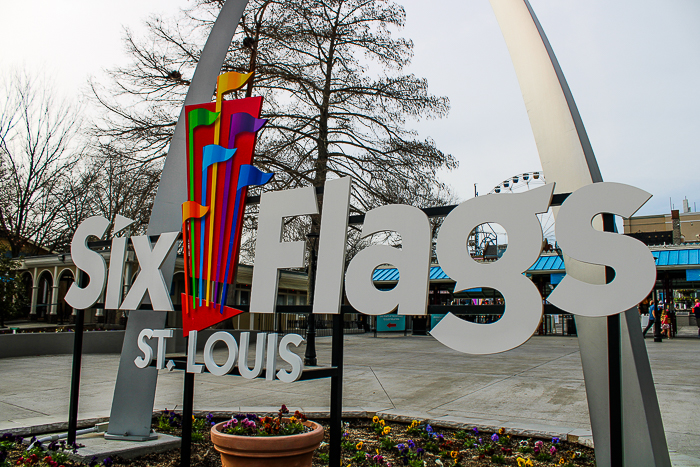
187 405
615 390
310 354
77 361
614 368
336 427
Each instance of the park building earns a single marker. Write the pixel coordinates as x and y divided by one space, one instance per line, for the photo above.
48 277
675 228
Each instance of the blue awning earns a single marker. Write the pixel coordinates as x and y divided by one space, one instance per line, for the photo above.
548 263
685 257
554 264
392 274
544 263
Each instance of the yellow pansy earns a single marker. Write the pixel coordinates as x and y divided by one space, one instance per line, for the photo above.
454 454
375 419
358 446
381 422
386 430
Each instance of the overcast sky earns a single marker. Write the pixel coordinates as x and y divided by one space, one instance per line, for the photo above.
633 68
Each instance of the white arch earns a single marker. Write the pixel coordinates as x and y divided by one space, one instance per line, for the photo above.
66 269
40 272
31 276
567 159
128 415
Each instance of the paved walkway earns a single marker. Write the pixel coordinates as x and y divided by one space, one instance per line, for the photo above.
537 386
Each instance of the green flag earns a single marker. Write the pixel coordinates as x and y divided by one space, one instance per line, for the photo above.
196 117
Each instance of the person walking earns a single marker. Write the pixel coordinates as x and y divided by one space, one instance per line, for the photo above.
671 310
643 306
652 311
696 312
666 324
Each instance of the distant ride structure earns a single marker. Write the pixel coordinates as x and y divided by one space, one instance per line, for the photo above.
485 239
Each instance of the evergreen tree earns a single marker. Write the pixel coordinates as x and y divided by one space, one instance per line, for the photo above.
12 289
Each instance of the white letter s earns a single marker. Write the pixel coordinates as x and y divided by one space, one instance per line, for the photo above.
635 270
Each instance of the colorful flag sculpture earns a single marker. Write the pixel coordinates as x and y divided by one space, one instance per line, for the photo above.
220 141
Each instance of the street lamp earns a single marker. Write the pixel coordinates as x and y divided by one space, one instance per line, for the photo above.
310 355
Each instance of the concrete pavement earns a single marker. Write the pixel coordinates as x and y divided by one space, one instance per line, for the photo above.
538 386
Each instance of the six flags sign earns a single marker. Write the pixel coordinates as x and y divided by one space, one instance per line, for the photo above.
221 138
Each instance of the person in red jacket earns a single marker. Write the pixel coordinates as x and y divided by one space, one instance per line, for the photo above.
666 325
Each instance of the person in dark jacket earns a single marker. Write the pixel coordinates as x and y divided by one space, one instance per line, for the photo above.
652 316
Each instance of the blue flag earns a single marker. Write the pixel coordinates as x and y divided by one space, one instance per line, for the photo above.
213 153
251 176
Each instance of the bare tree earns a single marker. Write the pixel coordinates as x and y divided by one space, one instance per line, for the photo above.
337 100
38 153
109 184
123 186
330 72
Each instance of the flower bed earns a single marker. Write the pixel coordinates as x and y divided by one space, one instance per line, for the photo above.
366 443
376 443
14 451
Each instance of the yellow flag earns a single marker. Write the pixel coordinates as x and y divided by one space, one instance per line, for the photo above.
227 82
230 81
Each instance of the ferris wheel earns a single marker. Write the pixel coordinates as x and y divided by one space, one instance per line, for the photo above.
521 183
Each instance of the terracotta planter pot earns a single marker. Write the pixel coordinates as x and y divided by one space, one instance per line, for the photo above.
267 451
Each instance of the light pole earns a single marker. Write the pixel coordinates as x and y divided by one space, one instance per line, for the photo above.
252 44
310 355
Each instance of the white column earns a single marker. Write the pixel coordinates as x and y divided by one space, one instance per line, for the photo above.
74 312
35 295
53 309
